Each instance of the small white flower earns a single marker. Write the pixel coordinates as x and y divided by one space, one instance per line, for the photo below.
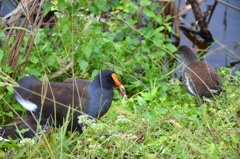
69 1
94 146
97 126
26 142
132 137
123 120
85 120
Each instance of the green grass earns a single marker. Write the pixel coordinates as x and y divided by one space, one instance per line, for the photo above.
158 119
146 125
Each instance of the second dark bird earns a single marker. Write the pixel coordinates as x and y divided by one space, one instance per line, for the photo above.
199 78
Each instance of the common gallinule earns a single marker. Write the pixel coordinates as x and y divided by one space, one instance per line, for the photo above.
50 102
199 78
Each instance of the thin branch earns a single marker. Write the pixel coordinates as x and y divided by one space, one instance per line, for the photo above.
229 5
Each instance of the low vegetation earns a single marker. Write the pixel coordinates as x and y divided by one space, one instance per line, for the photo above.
158 119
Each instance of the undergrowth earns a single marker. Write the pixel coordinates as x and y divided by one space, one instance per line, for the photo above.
158 119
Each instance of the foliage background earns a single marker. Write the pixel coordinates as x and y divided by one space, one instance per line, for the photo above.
157 120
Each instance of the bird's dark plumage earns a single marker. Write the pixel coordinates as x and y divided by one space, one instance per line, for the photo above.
199 78
51 101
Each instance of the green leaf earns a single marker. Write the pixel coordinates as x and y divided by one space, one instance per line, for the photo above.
159 29
87 49
21 60
34 72
133 7
46 7
163 110
169 28
145 2
102 5
237 72
7 69
151 116
148 13
18 107
211 148
94 73
51 60
2 154
10 114
83 64
62 5
141 101
1 55
34 59
159 19
93 9
82 2
10 89
22 131
170 47
65 27
131 21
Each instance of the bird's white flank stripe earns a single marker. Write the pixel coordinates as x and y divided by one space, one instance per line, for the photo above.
26 104
214 90
2 139
188 84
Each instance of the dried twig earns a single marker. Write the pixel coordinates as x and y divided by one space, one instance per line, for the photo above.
204 31
188 7
26 8
31 40
60 72
229 5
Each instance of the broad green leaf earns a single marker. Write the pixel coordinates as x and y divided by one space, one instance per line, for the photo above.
102 5
133 7
83 64
51 60
151 116
148 13
237 73
170 47
21 60
46 7
169 28
34 72
62 5
10 89
145 2
159 29
159 19
34 59
10 114
162 110
141 101
87 49
18 107
131 21
65 27
7 69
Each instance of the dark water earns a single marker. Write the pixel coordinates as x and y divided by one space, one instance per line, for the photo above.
225 28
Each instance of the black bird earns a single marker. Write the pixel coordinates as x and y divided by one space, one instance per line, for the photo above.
199 78
49 102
